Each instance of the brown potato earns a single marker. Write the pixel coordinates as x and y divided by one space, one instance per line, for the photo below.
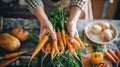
21 34
9 42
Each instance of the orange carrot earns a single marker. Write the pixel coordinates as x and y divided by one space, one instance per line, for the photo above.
46 49
63 36
42 42
79 40
60 42
55 48
15 54
54 43
71 49
76 44
113 54
4 64
118 53
52 52
110 57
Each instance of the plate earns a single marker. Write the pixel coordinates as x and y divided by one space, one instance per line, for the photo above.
97 37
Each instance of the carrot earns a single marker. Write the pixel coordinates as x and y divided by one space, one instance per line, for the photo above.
71 49
79 40
43 40
113 54
118 53
110 57
4 64
76 44
60 42
52 52
48 47
15 54
54 43
63 36
55 48
46 50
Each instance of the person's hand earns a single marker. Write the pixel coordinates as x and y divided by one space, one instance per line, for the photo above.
72 22
46 28
72 29
45 24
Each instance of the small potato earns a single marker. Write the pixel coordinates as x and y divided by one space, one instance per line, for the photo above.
106 35
96 29
21 34
104 25
9 42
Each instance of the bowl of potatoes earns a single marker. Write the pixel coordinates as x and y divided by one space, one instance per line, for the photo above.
101 32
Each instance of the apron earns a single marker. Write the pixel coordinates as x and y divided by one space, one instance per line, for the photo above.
85 14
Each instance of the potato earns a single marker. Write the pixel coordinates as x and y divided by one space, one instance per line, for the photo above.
9 42
107 34
21 34
104 25
96 29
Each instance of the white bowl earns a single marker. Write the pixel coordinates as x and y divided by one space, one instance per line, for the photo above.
96 37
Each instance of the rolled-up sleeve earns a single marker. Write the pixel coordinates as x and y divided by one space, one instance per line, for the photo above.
33 3
79 3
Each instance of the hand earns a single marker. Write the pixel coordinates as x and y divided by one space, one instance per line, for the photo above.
46 28
72 22
72 29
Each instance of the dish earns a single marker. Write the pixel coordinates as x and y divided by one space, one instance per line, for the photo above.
102 34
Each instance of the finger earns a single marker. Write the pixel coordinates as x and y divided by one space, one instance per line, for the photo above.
53 35
76 33
71 33
42 33
71 36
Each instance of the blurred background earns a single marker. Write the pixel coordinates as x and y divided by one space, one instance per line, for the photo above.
107 9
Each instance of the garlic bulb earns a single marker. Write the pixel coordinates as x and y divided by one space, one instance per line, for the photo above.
96 29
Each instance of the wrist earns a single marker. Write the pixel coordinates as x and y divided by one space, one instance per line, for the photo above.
45 22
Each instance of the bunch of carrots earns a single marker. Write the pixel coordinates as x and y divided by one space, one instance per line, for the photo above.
11 57
62 44
113 56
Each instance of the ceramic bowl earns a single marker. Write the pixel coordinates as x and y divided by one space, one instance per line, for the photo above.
96 37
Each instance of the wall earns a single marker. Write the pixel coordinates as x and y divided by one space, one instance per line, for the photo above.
97 6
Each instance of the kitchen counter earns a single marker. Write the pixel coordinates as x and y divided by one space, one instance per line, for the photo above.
32 25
